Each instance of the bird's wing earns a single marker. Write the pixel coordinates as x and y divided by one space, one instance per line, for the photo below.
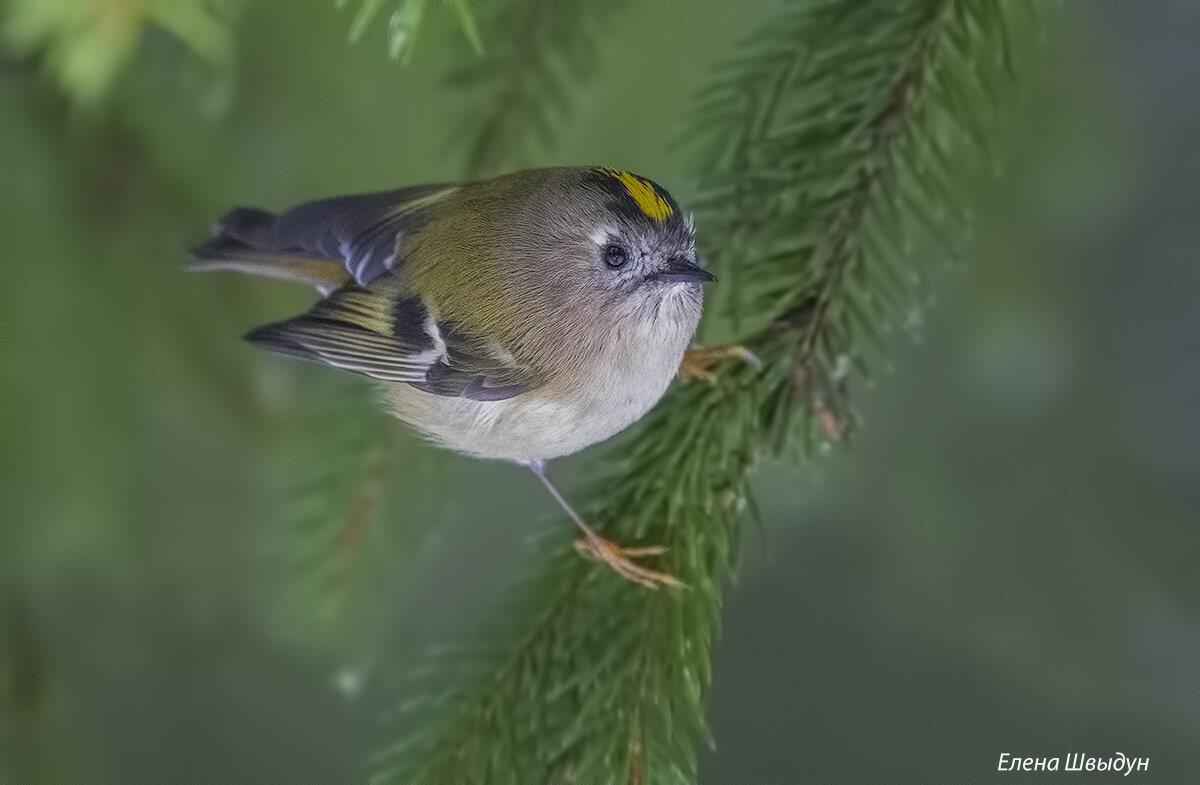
320 242
471 368
394 338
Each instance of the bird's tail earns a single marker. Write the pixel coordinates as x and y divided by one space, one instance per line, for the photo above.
243 240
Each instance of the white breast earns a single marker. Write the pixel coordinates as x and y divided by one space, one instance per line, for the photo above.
639 365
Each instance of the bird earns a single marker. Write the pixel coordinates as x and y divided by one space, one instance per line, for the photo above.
520 318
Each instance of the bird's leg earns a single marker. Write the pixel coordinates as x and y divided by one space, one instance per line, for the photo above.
697 361
593 545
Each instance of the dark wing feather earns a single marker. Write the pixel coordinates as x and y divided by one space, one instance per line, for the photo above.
392 338
470 369
356 330
361 232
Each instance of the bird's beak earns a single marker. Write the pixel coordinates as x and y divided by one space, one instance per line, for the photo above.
683 270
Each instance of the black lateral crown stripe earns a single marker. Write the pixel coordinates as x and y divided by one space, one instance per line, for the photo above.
621 202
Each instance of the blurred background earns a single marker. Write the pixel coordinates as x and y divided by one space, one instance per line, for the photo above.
1004 560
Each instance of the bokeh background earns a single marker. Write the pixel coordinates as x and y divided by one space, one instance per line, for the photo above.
1004 560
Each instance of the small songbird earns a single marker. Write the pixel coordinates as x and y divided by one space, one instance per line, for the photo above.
520 318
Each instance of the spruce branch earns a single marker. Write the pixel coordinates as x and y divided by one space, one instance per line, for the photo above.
351 519
404 24
833 142
539 50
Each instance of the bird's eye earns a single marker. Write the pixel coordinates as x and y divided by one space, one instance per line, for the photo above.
615 255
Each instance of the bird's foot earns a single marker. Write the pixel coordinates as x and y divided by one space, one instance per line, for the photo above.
621 560
698 361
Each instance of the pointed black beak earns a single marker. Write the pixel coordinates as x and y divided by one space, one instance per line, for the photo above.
683 270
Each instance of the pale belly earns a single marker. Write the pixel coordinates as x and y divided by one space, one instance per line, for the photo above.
538 425
521 429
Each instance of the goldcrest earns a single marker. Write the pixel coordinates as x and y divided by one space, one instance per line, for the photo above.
520 318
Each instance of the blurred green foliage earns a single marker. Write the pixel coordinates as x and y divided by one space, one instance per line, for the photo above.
86 43
1005 561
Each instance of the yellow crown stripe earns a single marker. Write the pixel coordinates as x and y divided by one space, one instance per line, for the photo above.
643 193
